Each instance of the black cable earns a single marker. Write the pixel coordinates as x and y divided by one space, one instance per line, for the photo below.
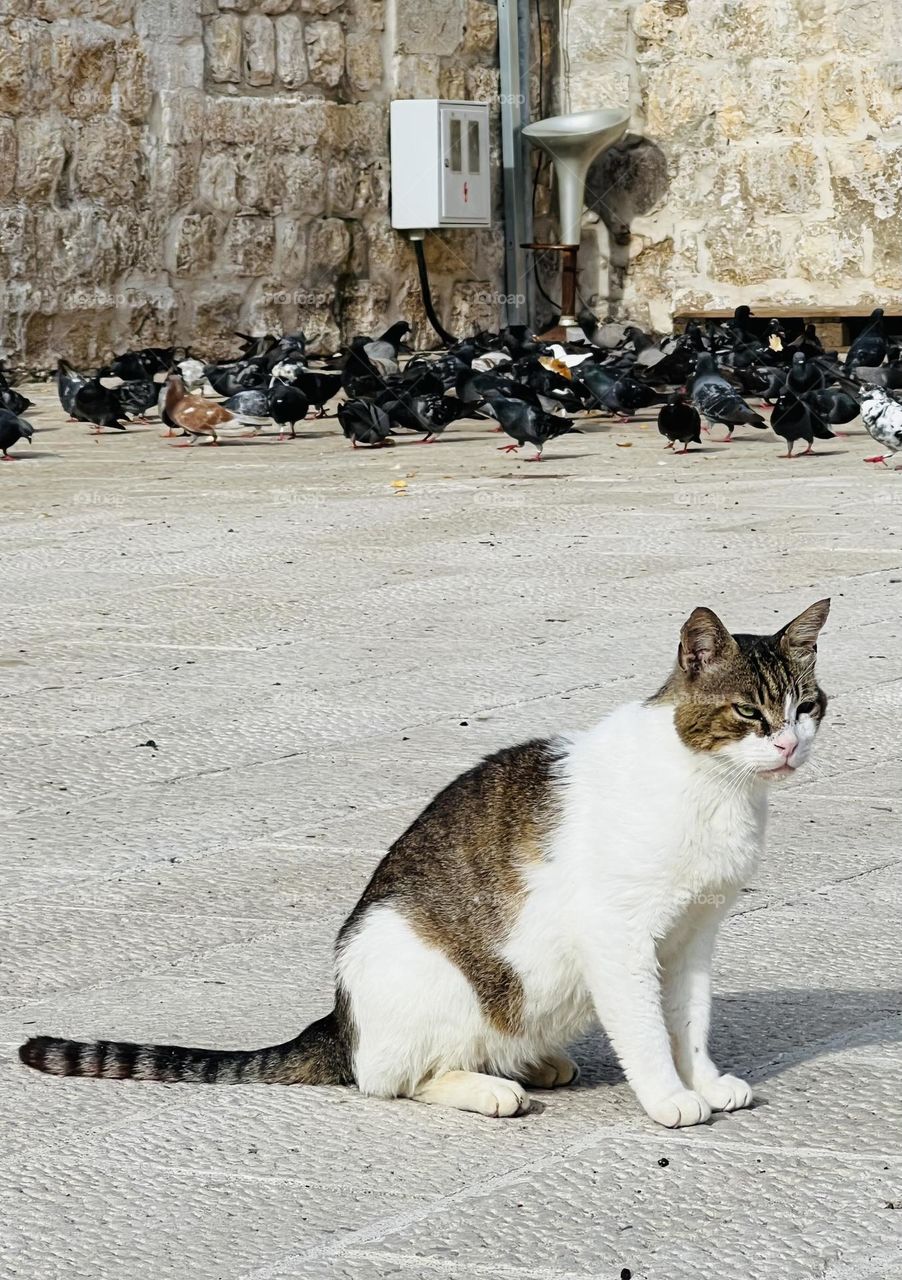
426 293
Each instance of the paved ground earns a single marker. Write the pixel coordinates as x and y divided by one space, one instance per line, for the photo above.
314 651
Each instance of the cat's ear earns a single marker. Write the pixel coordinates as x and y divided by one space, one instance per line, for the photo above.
704 642
800 636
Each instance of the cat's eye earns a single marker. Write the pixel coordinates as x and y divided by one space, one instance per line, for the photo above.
747 712
805 708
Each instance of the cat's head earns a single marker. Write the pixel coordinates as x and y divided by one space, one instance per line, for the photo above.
753 700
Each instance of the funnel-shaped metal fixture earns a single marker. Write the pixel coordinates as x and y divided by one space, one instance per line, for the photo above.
573 142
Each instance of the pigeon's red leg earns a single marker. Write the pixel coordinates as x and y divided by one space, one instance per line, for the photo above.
537 458
496 430
670 444
685 449
879 457
806 452
7 458
508 448
724 440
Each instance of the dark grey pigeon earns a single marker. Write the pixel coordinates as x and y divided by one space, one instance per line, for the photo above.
12 429
718 401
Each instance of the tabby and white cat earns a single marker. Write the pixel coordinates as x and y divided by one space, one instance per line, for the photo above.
581 875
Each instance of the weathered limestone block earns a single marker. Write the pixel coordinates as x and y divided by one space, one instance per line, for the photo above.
182 116
827 254
259 50
881 85
743 252
250 244
273 7
14 67
481 28
291 251
322 7
780 178
216 311
839 98
659 24
325 52
217 181
887 236
425 26
116 13
152 315
291 54
108 159
867 179
133 88
83 70
365 307
261 311
296 183
865 27
175 173
452 81
222 40
284 122
363 60
768 95
475 305
677 99
235 6
343 185
360 129
418 76
589 86
195 245
599 32
328 246
15 229
8 154
41 157
483 84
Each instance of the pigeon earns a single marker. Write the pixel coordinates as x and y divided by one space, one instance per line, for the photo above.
833 405
364 423
319 388
804 375
139 366
201 419
870 347
717 401
98 405
13 400
68 381
428 413
287 406
12 429
192 372
248 404
137 397
887 375
679 422
525 424
792 421
882 416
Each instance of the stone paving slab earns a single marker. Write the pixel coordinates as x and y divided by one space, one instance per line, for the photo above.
314 654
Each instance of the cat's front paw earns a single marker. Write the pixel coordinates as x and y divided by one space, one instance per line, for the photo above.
679 1109
727 1093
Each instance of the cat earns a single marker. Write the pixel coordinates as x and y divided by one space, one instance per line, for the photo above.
560 880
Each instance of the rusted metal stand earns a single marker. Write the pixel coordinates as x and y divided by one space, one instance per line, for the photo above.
563 330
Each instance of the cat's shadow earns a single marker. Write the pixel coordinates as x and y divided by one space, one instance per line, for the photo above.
760 1034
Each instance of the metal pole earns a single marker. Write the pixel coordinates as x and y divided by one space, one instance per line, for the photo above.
514 107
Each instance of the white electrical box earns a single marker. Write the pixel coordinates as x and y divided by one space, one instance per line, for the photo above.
440 164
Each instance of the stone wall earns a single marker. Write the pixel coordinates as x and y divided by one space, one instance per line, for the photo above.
171 170
764 162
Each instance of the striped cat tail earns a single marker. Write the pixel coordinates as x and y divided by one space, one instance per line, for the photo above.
319 1055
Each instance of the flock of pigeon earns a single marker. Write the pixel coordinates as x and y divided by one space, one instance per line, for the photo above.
530 389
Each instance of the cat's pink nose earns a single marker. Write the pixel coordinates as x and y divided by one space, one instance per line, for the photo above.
786 742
